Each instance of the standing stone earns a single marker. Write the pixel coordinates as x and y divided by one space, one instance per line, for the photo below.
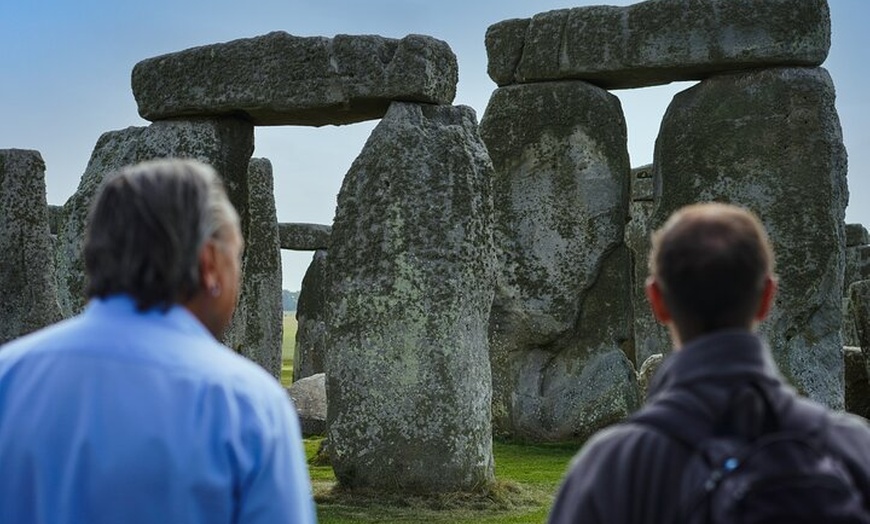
857 383
224 143
859 298
770 140
257 327
658 41
311 320
561 322
28 294
856 235
650 337
281 79
410 271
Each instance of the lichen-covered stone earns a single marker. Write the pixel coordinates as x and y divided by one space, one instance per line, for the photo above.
304 237
309 397
658 41
650 337
256 329
857 265
856 235
226 144
859 301
410 270
857 383
28 294
281 79
647 371
560 326
770 140
311 320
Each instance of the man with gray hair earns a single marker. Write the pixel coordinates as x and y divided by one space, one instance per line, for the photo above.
133 411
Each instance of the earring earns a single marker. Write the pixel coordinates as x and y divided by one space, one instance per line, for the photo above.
214 290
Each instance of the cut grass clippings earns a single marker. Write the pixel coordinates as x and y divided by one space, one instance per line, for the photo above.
527 479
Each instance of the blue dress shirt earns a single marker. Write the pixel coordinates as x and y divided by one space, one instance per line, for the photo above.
120 416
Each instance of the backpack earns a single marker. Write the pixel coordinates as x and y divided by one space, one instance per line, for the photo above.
771 473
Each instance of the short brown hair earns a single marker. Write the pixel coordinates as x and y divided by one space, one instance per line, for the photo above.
711 261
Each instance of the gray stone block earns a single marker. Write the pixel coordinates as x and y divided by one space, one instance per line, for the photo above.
410 271
309 397
281 79
311 320
658 41
257 327
856 235
770 140
28 293
857 383
857 265
304 237
560 329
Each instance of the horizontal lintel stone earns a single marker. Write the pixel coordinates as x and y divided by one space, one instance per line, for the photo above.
304 237
281 79
658 41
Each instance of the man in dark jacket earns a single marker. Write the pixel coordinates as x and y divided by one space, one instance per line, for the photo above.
711 283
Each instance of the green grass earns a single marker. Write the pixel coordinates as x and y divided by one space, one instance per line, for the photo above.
527 479
288 347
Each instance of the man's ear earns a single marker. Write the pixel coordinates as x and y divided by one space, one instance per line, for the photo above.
767 296
657 301
208 276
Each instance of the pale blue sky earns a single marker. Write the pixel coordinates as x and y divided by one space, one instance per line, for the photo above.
65 79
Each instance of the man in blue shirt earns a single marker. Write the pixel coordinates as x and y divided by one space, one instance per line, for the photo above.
133 411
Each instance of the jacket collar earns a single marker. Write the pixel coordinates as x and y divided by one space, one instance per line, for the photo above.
722 355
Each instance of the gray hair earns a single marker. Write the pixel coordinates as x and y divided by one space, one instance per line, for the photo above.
147 227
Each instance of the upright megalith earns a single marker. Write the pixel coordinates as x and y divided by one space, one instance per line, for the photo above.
224 143
281 79
28 294
658 41
650 337
410 272
560 326
770 140
311 320
256 329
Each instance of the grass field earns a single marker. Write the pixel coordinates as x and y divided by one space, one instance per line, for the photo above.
527 479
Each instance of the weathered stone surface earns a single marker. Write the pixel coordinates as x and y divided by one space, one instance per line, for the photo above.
859 300
650 337
55 219
28 294
256 329
281 79
770 140
857 265
658 41
856 235
304 237
857 382
560 326
311 320
410 270
309 396
225 143
647 371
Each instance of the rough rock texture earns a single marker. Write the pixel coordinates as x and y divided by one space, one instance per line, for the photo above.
311 320
771 141
856 235
561 319
225 143
309 396
647 371
859 298
256 329
857 265
281 79
650 337
410 271
28 294
658 41
55 219
857 383
304 237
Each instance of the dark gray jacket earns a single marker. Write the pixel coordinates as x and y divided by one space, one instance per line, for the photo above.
631 473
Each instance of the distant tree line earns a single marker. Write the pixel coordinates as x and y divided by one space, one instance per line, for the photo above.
289 299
